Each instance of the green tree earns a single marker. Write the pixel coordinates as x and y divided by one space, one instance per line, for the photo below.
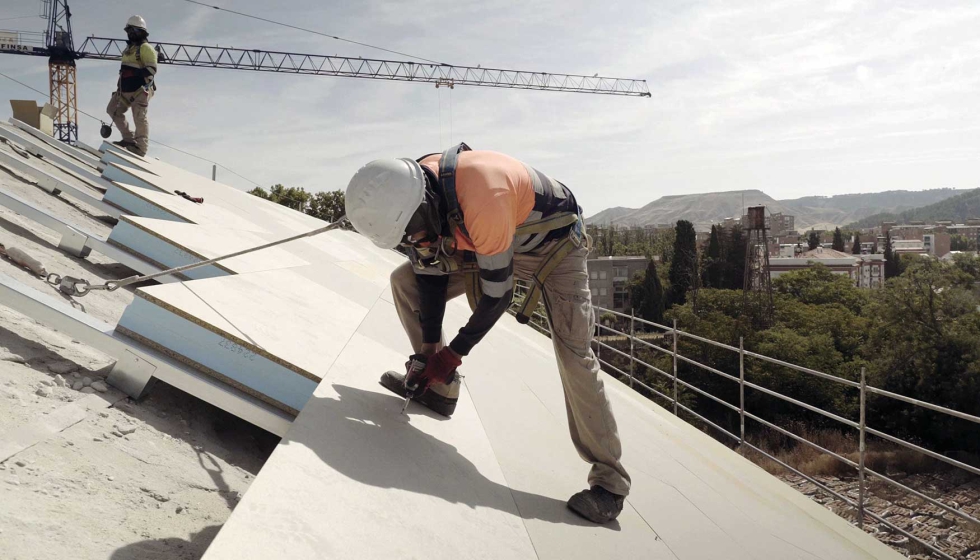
892 266
647 294
856 248
714 263
734 250
814 350
292 197
716 318
926 343
607 319
327 206
969 264
684 263
960 242
818 285
259 192
813 240
838 244
617 241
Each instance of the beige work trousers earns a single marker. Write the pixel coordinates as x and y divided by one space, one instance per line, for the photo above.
139 102
569 304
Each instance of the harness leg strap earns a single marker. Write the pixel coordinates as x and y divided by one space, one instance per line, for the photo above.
554 258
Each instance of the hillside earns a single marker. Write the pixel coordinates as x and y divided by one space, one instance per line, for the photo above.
821 212
700 209
610 215
958 209
848 208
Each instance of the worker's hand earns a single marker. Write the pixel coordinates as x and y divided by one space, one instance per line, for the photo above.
438 369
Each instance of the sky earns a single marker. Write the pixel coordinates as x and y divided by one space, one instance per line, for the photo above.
795 97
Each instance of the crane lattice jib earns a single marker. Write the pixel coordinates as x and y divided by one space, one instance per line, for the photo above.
355 67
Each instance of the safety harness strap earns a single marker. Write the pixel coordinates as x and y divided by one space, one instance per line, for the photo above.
139 60
550 263
545 225
447 179
552 259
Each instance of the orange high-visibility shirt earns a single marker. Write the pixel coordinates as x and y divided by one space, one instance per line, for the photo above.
495 195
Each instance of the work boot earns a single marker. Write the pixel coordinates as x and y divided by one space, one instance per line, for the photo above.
439 398
597 504
136 149
125 144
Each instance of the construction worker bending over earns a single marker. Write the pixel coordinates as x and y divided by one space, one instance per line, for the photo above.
470 221
135 87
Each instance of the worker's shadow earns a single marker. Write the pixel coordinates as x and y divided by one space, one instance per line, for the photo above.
363 436
168 547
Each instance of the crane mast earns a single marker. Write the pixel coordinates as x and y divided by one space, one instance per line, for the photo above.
62 77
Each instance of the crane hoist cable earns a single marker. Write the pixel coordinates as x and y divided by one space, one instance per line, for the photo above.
296 27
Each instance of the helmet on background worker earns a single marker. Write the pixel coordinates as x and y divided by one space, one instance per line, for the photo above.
136 21
136 28
382 199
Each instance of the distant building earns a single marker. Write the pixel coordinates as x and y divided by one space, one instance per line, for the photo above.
900 246
936 244
966 230
908 231
791 238
786 250
778 224
935 238
782 224
609 279
872 271
866 271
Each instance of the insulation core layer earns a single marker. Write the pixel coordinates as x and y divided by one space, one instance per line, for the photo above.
227 358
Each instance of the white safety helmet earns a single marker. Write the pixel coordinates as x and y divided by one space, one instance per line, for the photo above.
136 21
382 197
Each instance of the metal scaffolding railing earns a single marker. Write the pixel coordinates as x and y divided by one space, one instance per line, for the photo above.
676 384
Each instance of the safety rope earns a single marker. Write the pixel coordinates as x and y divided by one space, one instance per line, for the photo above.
79 287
